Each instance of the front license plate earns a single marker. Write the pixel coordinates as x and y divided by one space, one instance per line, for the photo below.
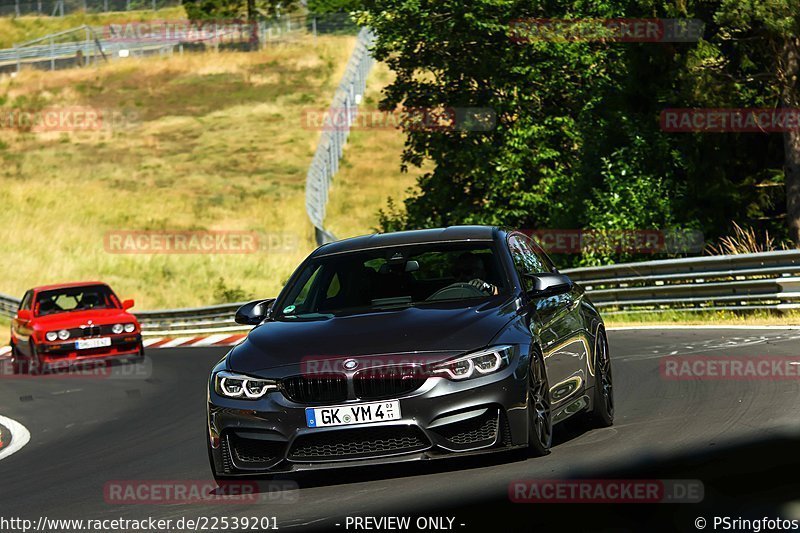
85 344
349 415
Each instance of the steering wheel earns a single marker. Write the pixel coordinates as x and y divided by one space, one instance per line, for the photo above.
456 291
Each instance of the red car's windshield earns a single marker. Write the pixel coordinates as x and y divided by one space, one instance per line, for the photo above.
75 299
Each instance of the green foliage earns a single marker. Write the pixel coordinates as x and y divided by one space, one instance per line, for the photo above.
224 294
333 6
236 9
577 141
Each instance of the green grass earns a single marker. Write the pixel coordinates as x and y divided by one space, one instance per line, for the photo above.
726 318
214 142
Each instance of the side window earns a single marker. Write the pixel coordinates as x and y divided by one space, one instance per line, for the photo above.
525 260
26 300
544 259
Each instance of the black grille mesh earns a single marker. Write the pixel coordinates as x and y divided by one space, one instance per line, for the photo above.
479 429
356 443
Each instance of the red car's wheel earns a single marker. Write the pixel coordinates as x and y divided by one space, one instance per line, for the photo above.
18 366
34 363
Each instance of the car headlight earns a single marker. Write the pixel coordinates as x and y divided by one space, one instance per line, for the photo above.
233 385
63 334
51 335
116 329
129 328
475 364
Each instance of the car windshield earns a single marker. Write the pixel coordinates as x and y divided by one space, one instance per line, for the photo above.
75 299
387 278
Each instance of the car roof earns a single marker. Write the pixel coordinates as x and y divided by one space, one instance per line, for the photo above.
67 285
401 238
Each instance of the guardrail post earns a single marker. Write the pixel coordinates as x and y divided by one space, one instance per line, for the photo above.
19 58
16 7
52 54
314 26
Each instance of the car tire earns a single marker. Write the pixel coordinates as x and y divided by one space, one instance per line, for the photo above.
34 363
540 420
18 366
602 414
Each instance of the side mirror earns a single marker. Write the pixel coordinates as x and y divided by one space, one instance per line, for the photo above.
549 284
127 304
253 313
25 315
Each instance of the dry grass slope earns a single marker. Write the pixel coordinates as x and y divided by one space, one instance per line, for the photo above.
216 142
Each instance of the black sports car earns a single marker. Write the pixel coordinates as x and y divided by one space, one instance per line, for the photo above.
409 345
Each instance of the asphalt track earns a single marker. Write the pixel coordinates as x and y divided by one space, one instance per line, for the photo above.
738 437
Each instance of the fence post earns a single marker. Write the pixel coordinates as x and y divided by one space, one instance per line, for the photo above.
52 54
16 7
314 26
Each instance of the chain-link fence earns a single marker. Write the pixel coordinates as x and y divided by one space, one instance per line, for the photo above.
57 8
331 143
86 45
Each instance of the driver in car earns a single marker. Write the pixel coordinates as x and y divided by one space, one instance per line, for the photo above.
470 269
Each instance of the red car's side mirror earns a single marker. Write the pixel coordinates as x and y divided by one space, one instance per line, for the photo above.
24 314
127 304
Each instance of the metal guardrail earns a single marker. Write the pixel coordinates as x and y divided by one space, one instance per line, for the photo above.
766 280
769 280
334 136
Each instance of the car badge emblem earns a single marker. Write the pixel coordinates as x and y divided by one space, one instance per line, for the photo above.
350 364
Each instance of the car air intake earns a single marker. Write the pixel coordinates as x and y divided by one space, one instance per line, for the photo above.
316 389
387 382
358 443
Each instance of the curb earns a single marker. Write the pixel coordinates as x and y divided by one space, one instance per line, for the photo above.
219 339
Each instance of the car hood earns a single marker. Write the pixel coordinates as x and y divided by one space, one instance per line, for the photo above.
79 318
437 331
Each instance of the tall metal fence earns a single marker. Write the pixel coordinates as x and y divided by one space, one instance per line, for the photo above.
340 117
59 8
769 280
85 45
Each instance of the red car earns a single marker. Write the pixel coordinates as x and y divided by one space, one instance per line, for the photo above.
59 325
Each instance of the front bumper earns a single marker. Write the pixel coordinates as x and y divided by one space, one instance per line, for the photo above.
440 419
64 353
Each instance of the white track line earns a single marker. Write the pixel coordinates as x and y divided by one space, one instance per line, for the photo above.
19 436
